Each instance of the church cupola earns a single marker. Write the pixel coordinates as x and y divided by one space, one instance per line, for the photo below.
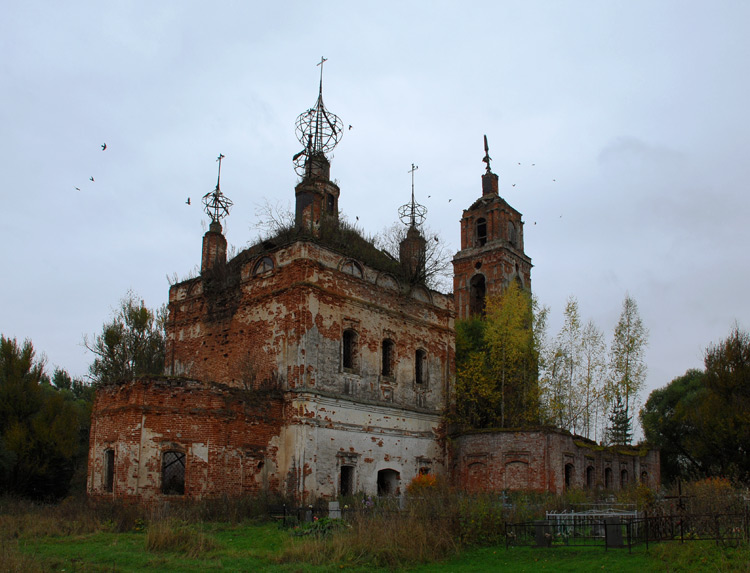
491 254
217 206
316 196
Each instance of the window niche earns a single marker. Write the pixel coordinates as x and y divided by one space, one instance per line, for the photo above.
350 350
388 354
173 473
109 470
481 232
420 367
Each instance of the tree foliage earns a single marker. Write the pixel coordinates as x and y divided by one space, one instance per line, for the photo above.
701 420
626 364
131 344
497 364
43 428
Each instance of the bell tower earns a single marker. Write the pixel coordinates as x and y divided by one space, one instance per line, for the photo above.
491 254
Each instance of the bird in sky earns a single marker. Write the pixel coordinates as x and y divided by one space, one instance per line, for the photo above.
91 178
104 146
350 127
78 188
449 200
188 201
514 185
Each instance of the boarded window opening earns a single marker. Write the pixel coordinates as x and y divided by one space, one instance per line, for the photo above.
481 232
346 482
349 343
420 369
477 291
608 478
623 479
173 473
109 470
590 477
388 482
388 352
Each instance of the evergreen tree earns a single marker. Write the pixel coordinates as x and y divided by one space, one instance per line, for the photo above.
620 430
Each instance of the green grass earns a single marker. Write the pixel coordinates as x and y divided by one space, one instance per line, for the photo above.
254 547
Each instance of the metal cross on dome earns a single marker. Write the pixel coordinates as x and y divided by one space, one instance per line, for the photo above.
318 130
215 203
412 214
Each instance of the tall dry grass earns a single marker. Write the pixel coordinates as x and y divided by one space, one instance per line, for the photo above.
174 535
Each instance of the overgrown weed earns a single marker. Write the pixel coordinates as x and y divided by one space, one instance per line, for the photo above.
176 536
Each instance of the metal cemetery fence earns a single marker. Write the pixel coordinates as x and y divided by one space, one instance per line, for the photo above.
629 530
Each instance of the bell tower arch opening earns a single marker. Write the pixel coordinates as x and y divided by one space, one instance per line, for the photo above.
491 239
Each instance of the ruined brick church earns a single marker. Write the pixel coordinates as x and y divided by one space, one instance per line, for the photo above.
314 365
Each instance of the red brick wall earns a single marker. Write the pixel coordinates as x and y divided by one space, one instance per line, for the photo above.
227 435
535 460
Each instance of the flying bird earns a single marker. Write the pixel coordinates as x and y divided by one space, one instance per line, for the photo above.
449 200
78 188
91 178
514 185
350 127
188 201
104 146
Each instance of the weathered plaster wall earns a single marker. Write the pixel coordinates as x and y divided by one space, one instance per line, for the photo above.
328 433
537 459
288 323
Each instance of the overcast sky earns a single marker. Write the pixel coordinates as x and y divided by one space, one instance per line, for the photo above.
620 130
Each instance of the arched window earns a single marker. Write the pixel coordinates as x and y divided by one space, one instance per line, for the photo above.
420 366
349 349
388 355
352 268
644 478
623 479
608 478
590 477
568 476
477 291
264 265
109 470
330 204
481 232
512 234
173 473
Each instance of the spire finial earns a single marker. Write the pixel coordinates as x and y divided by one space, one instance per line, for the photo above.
412 214
320 63
215 203
318 130
487 157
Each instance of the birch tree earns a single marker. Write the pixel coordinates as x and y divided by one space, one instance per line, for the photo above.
627 368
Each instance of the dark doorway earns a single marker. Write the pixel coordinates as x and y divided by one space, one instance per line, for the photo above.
346 483
388 482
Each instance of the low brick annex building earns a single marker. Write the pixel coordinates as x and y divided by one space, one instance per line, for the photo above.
314 365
